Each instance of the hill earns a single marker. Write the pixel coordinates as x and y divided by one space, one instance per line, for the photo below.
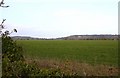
72 37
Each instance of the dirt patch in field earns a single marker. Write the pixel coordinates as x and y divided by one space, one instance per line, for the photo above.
82 69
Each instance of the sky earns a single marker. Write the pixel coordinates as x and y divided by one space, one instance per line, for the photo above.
59 18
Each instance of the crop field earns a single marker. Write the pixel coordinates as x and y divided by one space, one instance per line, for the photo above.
85 51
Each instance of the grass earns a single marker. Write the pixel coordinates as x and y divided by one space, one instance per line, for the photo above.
74 67
85 51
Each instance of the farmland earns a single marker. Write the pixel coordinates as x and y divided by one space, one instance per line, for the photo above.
84 51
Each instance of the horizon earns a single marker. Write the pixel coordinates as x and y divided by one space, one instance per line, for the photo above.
53 19
59 37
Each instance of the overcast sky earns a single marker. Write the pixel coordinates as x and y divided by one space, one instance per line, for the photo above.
59 18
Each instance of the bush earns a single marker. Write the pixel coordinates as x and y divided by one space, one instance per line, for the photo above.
14 65
11 50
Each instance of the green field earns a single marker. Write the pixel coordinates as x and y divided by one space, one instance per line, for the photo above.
88 51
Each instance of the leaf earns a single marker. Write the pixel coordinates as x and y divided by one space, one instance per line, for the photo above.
6 32
15 30
3 21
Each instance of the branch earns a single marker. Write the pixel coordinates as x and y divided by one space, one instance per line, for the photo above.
5 6
2 23
2 3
